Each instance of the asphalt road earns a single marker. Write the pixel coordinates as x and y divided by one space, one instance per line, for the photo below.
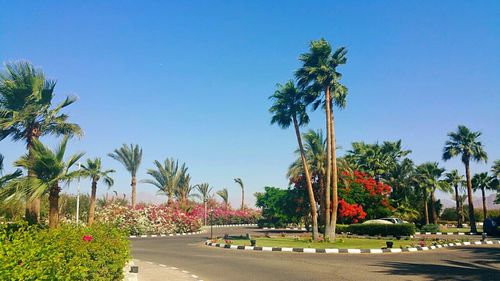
213 264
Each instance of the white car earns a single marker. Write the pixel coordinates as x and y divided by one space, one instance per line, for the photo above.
385 221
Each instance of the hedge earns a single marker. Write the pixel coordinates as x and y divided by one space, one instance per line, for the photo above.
405 229
66 253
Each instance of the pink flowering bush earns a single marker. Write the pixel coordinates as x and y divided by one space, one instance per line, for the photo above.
160 219
223 215
151 219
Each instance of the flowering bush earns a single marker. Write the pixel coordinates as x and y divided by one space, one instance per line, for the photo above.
223 215
360 197
154 219
150 219
69 252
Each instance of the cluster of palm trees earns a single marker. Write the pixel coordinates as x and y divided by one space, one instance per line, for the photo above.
317 84
27 113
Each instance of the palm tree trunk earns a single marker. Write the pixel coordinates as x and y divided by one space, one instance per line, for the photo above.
322 210
472 219
433 208
426 210
485 212
459 217
32 212
242 197
54 206
134 192
310 191
328 213
335 198
92 202
205 212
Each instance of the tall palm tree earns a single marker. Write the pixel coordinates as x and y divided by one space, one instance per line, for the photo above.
204 189
93 170
288 108
455 179
26 112
465 143
130 157
240 183
49 170
483 181
318 75
224 196
168 178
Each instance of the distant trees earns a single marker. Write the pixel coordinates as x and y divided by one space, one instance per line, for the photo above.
482 182
224 195
93 169
454 179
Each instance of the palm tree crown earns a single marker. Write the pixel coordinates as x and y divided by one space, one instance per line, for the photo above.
170 178
204 189
25 105
464 142
287 106
224 196
93 169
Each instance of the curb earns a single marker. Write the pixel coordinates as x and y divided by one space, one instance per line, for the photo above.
166 235
346 251
286 228
230 225
447 233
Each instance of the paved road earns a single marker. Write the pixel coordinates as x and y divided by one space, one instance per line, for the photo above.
213 264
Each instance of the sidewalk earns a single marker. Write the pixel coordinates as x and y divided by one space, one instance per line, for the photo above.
149 271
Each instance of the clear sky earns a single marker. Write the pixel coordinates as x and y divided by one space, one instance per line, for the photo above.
190 79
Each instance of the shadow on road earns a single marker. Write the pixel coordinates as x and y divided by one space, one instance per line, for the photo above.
484 266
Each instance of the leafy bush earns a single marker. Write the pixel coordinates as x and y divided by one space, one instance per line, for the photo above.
67 253
404 229
430 228
281 207
342 228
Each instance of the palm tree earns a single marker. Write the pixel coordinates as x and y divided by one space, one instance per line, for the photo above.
184 188
49 170
466 143
483 181
26 112
317 75
93 170
240 183
130 157
428 177
288 108
204 189
454 179
225 196
168 178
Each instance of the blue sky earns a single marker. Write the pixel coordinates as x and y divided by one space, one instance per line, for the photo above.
191 80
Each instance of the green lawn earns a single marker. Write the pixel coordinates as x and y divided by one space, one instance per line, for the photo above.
454 229
341 243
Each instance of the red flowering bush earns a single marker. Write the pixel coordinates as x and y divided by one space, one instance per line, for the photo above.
223 215
350 213
361 197
87 238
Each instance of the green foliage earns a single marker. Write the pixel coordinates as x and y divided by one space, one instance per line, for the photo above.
342 228
449 214
430 228
404 229
281 206
32 253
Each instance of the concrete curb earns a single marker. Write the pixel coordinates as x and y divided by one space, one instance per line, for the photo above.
230 225
346 251
447 233
166 235
179 273
286 228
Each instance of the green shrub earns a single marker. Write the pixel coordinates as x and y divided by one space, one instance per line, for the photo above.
430 228
341 228
32 253
404 229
